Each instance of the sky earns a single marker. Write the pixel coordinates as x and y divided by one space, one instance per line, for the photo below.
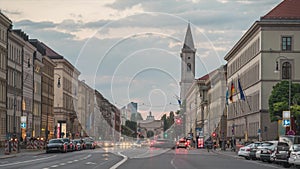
129 50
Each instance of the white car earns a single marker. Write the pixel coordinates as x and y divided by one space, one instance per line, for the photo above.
295 155
244 151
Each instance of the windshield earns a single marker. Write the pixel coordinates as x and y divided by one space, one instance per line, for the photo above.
55 141
148 84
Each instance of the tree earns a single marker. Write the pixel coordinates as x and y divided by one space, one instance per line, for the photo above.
132 125
279 100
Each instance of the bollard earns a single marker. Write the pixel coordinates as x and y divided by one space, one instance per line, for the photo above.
6 150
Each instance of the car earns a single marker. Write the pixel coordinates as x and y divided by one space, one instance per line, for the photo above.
90 144
267 150
253 150
69 144
107 143
245 151
182 143
77 144
294 158
163 143
282 154
55 145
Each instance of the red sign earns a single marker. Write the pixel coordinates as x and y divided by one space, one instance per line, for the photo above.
291 133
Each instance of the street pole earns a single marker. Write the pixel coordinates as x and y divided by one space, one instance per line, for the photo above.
15 104
290 87
46 134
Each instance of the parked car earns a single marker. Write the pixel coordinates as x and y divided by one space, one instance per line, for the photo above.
56 145
282 154
253 150
69 144
90 144
78 144
245 151
267 150
294 158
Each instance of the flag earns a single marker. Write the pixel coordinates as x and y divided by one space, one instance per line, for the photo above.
242 95
231 92
227 95
179 102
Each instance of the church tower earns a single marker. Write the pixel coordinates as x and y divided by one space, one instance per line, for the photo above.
187 63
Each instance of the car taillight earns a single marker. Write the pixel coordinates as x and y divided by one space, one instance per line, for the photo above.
186 143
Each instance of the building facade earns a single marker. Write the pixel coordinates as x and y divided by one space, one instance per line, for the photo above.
252 60
85 108
14 84
28 88
5 26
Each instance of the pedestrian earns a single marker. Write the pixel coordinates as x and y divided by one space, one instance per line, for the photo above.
228 144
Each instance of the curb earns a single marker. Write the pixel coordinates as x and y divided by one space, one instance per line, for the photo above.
22 153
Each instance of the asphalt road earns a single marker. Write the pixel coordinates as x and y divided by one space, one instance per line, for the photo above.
87 159
133 158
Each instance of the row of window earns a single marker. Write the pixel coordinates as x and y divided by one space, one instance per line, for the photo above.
245 57
10 124
2 91
252 51
14 78
10 104
239 108
3 34
15 53
2 59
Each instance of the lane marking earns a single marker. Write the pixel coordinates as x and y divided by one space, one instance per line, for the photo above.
62 164
120 162
21 162
172 163
54 166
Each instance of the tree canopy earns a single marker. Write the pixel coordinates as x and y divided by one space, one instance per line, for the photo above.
279 100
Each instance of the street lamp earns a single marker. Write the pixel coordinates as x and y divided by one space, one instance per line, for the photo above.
290 84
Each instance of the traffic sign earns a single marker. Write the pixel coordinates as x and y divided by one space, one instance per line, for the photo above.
286 122
286 114
23 125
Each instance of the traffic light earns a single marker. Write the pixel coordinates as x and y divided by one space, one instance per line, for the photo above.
178 121
214 134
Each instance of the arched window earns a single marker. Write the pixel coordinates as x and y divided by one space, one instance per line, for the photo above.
286 70
189 67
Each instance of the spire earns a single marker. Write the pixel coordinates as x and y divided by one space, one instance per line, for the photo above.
188 41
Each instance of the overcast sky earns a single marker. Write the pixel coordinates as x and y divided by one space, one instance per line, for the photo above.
129 50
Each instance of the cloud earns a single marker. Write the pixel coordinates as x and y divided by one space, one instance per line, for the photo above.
12 12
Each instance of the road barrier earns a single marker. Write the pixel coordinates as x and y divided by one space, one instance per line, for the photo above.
6 150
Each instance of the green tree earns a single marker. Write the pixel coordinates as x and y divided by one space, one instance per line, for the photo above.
279 100
132 125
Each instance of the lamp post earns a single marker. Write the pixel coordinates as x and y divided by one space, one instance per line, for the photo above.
290 85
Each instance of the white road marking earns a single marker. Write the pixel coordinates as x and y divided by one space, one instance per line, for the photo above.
120 162
70 162
54 166
62 164
172 163
88 163
21 162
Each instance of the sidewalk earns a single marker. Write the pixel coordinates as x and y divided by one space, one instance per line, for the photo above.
21 153
227 152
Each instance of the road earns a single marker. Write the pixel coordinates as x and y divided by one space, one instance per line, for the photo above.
132 158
